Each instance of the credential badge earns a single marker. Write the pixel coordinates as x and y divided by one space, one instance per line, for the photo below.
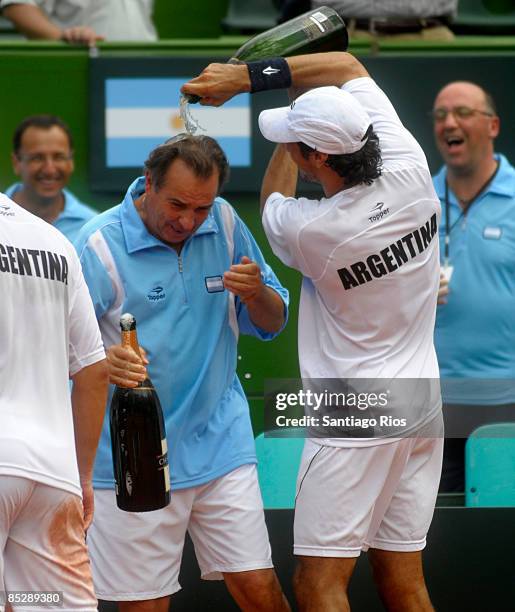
214 284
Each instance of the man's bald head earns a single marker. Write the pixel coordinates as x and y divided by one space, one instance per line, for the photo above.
465 126
467 89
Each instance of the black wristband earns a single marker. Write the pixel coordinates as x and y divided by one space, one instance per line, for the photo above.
273 73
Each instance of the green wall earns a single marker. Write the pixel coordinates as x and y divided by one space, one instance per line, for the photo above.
45 82
49 77
191 18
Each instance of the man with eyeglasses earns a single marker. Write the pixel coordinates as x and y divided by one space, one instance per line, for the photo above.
43 159
475 327
180 259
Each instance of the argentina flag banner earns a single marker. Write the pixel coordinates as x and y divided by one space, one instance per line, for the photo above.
142 112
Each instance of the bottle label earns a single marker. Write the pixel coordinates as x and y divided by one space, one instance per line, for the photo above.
167 478
163 463
317 21
128 482
319 16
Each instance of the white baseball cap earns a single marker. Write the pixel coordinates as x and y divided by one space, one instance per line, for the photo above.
327 119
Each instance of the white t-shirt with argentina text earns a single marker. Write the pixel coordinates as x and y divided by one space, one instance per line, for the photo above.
369 257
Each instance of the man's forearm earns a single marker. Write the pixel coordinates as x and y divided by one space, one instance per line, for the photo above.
321 69
266 310
315 70
32 21
281 175
218 83
89 396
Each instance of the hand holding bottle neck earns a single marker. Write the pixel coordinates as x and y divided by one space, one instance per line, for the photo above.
130 340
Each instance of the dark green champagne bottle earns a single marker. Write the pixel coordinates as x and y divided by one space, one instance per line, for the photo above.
138 440
316 31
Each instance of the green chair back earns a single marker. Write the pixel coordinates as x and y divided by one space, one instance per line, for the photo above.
250 15
485 17
490 466
278 464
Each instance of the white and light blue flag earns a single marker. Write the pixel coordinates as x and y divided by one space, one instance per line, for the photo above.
141 113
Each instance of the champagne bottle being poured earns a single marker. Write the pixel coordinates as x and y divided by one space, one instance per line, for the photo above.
316 31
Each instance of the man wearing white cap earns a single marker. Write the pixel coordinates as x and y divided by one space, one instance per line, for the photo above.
368 251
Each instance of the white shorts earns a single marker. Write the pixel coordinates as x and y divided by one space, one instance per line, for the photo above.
42 544
352 499
137 556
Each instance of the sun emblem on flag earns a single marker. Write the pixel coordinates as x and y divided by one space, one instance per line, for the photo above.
176 122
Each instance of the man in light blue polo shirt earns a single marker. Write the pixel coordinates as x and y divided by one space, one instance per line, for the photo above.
182 262
475 322
43 158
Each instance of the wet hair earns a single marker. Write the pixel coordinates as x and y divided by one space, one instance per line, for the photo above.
42 122
202 154
363 166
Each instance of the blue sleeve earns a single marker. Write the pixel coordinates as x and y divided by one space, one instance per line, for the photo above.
244 244
97 277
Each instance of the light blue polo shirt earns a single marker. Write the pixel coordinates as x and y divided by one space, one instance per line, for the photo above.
475 330
187 322
73 216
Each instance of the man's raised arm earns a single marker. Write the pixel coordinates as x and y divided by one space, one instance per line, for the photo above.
218 83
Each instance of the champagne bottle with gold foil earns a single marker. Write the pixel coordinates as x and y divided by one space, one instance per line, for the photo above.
316 31
138 440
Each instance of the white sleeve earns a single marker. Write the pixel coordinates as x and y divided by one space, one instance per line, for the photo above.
397 143
85 342
283 221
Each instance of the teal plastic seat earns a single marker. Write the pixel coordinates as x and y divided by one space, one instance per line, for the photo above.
250 15
485 17
490 466
278 464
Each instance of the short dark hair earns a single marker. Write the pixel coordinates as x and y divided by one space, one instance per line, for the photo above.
363 166
202 154
490 102
43 122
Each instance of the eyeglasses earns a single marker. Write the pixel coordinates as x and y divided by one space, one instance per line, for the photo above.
38 159
458 112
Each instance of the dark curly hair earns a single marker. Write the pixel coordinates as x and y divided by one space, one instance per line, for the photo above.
202 154
363 166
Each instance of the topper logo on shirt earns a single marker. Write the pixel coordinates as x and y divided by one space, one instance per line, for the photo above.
156 294
6 211
378 212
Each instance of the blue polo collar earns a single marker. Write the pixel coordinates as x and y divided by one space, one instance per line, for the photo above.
136 235
503 183
72 207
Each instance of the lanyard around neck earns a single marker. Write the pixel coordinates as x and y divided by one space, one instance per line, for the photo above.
448 226
447 239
